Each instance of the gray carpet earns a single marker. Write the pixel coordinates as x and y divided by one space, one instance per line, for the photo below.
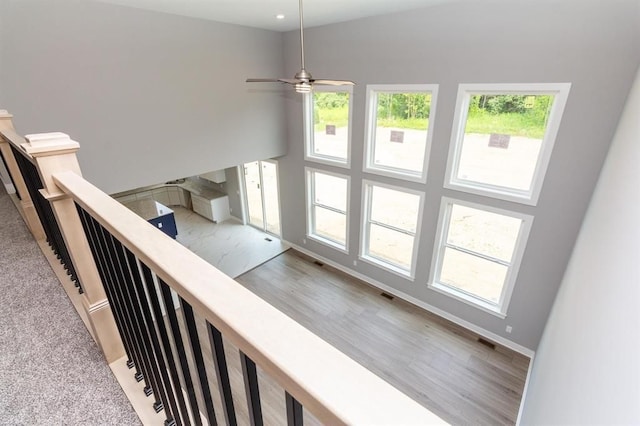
51 371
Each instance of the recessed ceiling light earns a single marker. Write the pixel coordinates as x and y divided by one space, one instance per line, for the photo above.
279 16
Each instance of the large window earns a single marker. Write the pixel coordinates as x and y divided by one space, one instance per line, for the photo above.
390 228
327 125
327 208
399 130
477 253
502 138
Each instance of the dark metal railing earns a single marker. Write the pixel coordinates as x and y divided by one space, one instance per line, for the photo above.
45 214
170 316
156 346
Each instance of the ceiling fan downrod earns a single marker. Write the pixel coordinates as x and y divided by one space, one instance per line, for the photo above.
303 82
304 86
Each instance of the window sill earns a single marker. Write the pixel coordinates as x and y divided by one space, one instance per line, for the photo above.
469 300
388 267
329 243
330 161
380 171
523 197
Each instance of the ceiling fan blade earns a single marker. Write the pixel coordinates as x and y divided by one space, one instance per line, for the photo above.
262 80
303 81
274 80
289 80
333 82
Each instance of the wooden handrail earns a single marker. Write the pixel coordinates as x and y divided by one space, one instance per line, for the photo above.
336 389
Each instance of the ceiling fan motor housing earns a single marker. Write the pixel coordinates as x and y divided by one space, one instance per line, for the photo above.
303 87
303 75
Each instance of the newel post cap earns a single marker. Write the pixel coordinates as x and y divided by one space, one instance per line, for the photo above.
5 120
43 144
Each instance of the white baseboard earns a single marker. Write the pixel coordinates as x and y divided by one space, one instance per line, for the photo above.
524 391
446 315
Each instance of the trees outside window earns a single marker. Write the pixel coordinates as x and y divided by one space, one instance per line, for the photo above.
503 137
327 113
398 130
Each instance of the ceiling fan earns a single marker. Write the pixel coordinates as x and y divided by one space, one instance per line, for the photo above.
302 81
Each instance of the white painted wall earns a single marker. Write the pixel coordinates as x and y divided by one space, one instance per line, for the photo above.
587 369
151 97
595 45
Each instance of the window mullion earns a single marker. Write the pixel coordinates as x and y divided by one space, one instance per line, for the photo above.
391 227
476 254
333 209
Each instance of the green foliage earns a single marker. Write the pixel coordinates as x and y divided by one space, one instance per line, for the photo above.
409 123
339 117
330 108
508 124
330 100
516 115
403 106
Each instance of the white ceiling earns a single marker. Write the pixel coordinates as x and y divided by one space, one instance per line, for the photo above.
261 13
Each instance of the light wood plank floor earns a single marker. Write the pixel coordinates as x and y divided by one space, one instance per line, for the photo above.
437 363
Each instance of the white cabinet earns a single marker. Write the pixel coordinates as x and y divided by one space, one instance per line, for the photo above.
173 193
161 195
127 198
165 195
220 208
202 206
144 194
216 210
185 198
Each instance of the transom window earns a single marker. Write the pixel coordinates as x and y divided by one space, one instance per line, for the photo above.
391 226
502 138
327 208
478 252
327 115
398 130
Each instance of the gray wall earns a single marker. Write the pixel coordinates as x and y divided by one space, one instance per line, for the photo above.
586 370
149 96
233 190
593 45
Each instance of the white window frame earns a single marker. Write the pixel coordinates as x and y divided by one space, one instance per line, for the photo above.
367 187
370 130
310 203
530 197
500 308
308 123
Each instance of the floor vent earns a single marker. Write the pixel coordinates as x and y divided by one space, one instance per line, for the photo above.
268 239
386 296
486 343
318 263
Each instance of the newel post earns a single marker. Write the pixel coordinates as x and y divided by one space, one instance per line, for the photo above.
28 209
53 153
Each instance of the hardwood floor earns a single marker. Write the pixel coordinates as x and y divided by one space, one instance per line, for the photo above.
439 364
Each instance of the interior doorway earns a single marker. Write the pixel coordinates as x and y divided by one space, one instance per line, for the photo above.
262 198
